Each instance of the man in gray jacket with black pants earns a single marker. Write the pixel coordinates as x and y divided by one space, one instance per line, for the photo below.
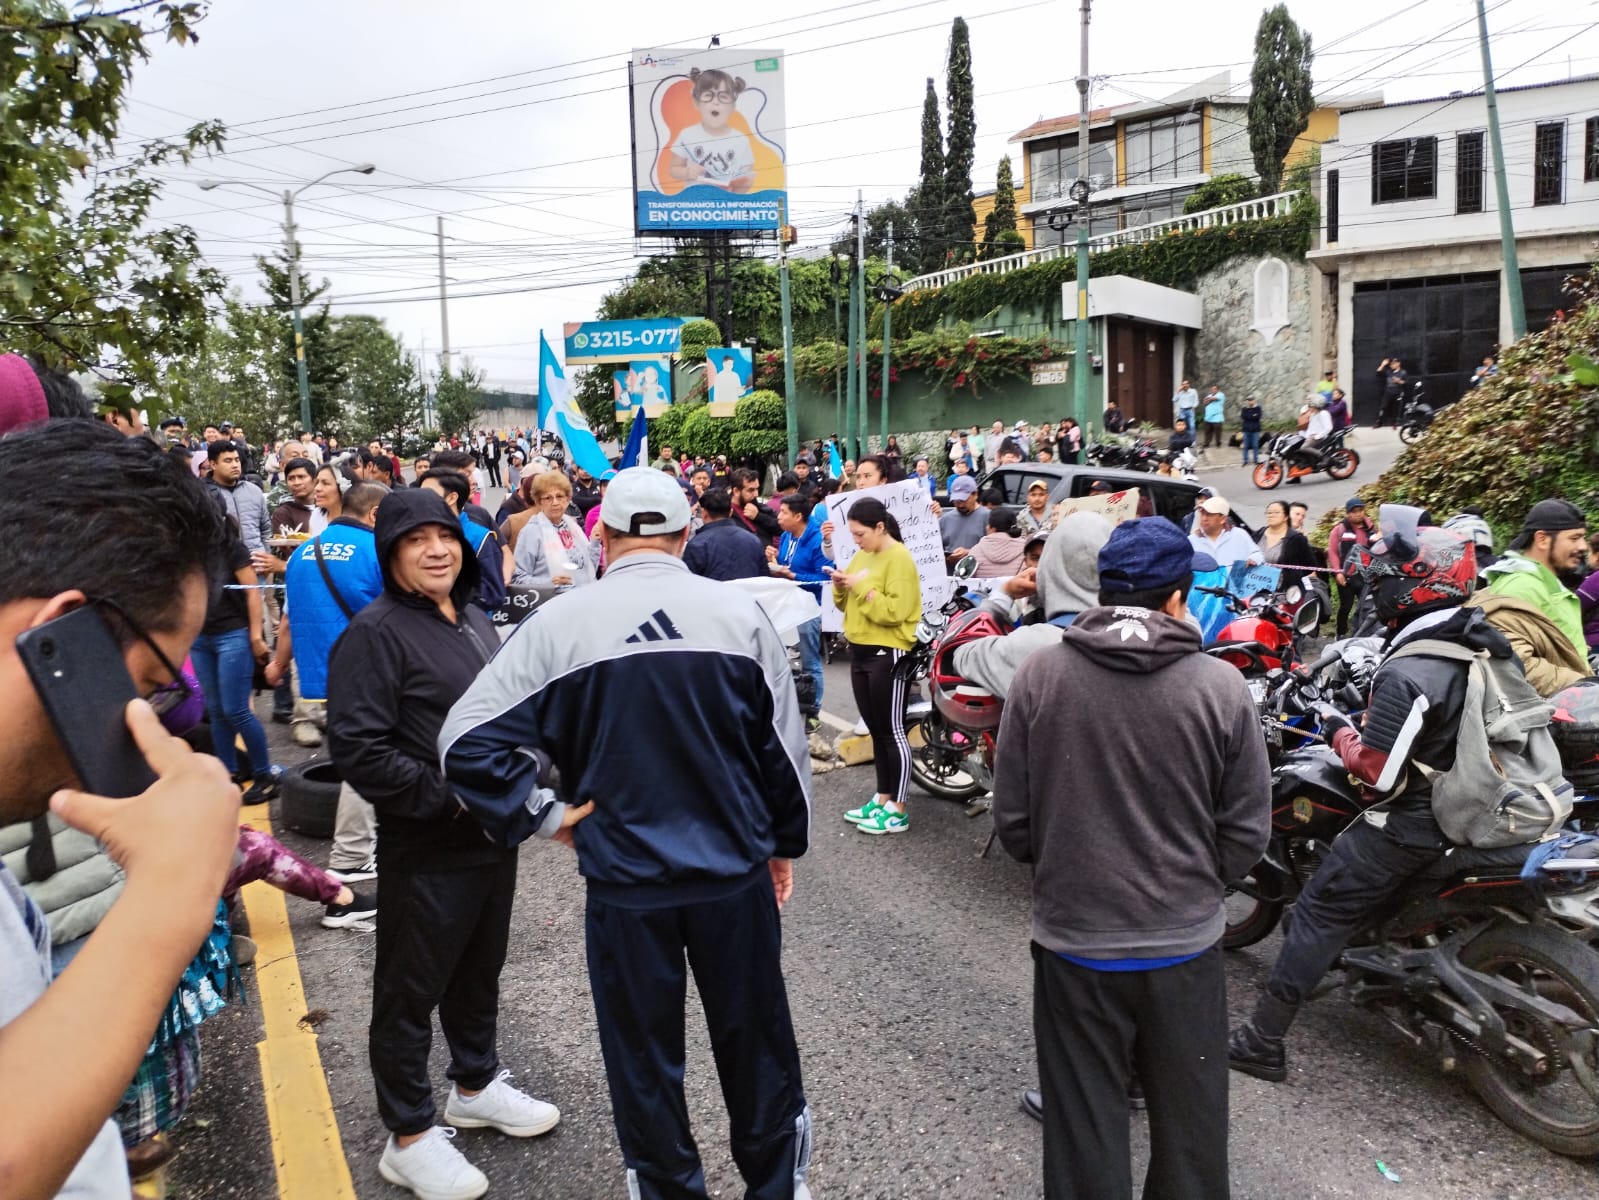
1131 854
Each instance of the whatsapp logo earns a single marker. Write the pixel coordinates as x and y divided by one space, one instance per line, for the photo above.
580 341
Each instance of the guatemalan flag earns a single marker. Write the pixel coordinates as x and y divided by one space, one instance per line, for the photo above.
637 451
560 416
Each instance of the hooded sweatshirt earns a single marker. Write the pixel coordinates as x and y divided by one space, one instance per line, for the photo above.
393 676
1527 579
1068 583
1131 851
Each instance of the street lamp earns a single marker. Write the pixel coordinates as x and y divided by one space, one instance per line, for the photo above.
293 245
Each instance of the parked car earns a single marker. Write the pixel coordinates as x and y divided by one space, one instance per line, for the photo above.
1172 497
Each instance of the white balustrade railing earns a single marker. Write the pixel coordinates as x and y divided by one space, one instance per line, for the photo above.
1280 204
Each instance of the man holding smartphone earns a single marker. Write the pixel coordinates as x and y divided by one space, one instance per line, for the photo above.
68 1049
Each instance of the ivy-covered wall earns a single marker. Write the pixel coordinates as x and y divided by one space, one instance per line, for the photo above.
919 401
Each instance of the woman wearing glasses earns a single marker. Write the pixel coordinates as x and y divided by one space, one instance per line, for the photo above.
225 656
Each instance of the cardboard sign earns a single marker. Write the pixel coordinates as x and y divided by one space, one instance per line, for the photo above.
909 503
1114 506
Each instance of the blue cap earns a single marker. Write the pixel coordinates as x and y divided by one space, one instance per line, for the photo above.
963 487
1145 554
1353 503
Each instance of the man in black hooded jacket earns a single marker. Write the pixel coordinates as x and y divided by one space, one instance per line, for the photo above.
1418 578
447 890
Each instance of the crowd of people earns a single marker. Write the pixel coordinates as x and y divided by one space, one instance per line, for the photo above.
362 592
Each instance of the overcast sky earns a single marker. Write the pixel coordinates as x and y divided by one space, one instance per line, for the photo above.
511 120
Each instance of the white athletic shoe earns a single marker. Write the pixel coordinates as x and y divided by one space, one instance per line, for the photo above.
432 1168
860 728
501 1106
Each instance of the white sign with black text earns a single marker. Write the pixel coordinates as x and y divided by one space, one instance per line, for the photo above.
908 501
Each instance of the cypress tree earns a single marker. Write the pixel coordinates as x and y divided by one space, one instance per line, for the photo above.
1280 99
927 204
959 219
1003 217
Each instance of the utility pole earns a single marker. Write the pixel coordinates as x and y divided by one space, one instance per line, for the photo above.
1079 192
444 304
888 315
790 396
862 412
1507 226
848 432
300 375
835 275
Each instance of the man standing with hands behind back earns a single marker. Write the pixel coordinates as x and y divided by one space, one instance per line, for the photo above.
1129 875
686 843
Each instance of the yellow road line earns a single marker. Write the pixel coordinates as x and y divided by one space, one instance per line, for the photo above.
305 1134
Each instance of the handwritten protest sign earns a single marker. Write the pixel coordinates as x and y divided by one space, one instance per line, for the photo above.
1242 579
1115 506
908 501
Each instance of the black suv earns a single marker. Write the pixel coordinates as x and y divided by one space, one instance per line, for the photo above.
1172 497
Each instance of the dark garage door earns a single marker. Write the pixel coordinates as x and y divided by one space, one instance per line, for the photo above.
1440 326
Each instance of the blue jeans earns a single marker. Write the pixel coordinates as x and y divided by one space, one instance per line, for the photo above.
1251 445
810 648
226 671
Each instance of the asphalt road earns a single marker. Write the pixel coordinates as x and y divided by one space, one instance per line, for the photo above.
1377 449
910 982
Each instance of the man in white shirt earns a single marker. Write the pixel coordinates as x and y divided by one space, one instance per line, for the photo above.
1185 404
1221 540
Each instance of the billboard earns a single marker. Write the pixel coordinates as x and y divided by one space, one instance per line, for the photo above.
708 139
729 376
590 342
645 385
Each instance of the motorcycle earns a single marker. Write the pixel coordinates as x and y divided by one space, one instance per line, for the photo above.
1489 969
1285 459
1417 416
1124 451
1264 634
946 762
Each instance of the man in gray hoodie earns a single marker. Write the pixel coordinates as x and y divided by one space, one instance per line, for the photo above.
1067 584
1130 862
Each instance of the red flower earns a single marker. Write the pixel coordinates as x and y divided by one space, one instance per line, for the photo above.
960 380
877 393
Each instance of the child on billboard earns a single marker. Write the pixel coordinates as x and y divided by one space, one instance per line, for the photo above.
713 151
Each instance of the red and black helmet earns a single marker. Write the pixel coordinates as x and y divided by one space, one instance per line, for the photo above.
960 701
1413 568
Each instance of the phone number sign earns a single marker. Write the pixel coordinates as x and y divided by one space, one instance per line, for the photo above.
616 341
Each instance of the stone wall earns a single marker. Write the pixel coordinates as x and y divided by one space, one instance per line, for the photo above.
1277 368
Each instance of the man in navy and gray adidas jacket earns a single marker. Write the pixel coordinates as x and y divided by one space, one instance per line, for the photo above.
687 848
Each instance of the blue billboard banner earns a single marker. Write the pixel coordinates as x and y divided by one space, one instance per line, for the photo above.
708 139
589 342
645 385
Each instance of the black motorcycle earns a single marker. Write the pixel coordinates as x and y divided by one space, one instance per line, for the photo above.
1417 416
1287 458
1491 973
938 750
1123 451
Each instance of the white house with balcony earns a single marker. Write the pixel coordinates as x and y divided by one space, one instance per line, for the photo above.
1411 256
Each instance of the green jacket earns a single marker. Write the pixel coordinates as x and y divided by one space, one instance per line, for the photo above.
85 884
1520 577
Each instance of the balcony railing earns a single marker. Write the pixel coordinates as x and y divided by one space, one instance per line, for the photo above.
1280 204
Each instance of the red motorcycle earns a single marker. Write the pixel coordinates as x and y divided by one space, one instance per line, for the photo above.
1264 634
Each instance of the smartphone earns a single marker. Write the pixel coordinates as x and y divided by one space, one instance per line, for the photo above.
77 670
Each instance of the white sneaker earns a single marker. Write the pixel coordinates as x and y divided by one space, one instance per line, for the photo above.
501 1106
860 728
432 1168
306 734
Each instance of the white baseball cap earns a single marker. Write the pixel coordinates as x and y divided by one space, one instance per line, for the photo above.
643 502
1216 505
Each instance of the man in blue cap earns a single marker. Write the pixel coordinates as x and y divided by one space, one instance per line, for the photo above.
1129 874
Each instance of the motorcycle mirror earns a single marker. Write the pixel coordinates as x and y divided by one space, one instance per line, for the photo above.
966 567
1308 619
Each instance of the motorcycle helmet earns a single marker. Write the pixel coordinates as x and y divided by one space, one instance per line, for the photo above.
1471 526
1414 568
960 701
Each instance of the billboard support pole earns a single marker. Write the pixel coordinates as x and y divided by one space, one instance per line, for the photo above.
834 274
851 362
790 397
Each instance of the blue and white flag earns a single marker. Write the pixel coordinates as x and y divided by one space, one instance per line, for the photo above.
637 451
835 464
559 415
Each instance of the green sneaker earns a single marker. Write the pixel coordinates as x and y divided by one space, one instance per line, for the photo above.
884 820
864 813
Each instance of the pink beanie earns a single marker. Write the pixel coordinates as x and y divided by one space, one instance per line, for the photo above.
21 395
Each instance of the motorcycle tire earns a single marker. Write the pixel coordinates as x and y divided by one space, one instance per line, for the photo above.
1248 924
935 768
1269 474
1561 968
1409 433
1342 463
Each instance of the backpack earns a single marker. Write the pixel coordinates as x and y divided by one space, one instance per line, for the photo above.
1506 787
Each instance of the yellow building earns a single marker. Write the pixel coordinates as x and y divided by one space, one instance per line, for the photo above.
983 204
1145 159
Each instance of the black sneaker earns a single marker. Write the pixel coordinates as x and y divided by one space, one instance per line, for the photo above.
360 908
264 789
282 718
1254 1054
367 870
1033 1100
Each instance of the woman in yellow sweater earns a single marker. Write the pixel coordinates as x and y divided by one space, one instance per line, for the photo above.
880 594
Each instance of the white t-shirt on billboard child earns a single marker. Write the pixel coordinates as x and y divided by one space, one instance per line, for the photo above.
724 156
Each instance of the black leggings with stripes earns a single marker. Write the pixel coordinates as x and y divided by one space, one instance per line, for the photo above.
880 696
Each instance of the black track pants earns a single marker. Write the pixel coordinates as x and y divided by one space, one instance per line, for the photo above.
880 697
